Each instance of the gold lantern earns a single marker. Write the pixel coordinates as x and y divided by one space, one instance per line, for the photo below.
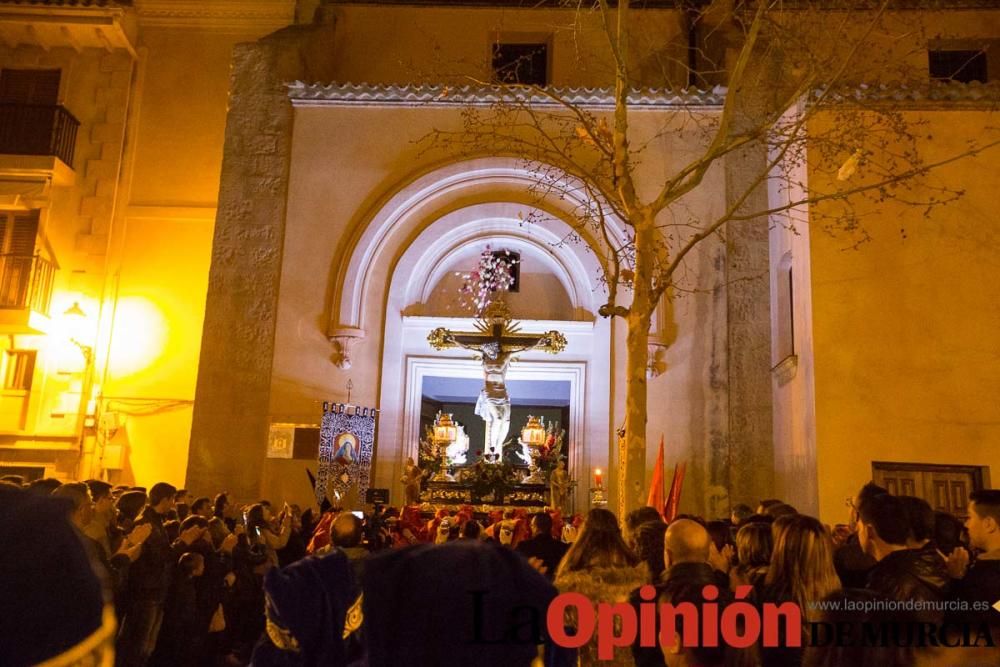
445 434
533 434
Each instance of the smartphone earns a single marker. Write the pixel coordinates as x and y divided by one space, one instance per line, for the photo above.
360 515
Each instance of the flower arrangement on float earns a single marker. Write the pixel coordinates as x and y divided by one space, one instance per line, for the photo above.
491 477
494 273
552 451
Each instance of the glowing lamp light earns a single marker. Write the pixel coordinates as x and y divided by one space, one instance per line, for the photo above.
598 478
444 429
533 433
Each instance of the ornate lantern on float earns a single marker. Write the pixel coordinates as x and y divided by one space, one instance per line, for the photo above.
533 436
445 434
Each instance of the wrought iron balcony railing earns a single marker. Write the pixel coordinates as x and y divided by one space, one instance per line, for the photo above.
26 282
38 129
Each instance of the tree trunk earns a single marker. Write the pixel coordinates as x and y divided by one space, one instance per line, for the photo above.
636 360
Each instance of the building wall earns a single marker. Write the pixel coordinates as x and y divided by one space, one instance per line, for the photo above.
906 342
159 273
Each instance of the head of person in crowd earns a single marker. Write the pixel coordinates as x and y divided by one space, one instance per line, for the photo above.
346 531
802 563
720 533
53 609
221 507
104 503
740 513
217 531
256 519
541 524
636 518
130 504
471 530
867 492
190 565
202 507
686 541
983 523
82 507
780 510
44 486
754 546
768 502
778 524
949 532
598 544
882 525
162 498
649 538
192 521
920 517
181 496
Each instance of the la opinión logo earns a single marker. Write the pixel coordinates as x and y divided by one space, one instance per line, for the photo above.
740 624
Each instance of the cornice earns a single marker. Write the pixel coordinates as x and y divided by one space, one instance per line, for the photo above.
424 95
248 14
932 95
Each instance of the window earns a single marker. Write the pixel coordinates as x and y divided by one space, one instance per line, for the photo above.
786 310
18 230
20 370
958 65
521 63
29 86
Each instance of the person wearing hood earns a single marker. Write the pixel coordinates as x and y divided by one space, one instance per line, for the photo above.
313 616
600 566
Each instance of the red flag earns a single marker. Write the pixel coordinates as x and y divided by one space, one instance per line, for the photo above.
655 498
674 498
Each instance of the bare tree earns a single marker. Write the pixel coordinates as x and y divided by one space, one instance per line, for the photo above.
793 99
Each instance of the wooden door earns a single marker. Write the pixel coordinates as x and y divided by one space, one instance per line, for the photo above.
946 488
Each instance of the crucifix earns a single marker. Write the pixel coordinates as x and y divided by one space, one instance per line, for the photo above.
496 339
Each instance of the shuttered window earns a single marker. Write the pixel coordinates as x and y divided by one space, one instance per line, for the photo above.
20 370
18 231
29 86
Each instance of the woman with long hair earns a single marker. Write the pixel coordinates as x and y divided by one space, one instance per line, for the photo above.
261 532
802 572
754 546
600 566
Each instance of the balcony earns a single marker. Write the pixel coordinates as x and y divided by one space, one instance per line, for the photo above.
36 129
25 293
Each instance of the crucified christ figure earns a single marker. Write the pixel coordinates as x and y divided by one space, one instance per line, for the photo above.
496 341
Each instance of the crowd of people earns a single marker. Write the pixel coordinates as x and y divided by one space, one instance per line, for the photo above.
202 582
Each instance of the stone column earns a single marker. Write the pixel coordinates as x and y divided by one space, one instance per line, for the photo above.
230 422
748 469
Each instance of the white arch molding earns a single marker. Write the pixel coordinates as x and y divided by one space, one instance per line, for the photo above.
420 202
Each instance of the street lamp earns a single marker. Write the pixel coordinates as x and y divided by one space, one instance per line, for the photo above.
76 320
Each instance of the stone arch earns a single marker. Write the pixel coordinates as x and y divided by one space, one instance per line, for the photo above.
396 220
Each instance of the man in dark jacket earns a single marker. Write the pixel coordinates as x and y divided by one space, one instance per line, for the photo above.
542 546
148 582
686 549
901 573
980 583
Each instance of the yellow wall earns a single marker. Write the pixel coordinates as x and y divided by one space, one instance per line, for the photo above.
155 298
907 327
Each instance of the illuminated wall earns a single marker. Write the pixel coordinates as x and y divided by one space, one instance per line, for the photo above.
907 327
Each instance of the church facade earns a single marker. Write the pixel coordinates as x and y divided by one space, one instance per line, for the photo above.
310 197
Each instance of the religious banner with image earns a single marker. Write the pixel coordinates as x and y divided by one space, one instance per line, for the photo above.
346 442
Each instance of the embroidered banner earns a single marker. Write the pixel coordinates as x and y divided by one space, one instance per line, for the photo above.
346 442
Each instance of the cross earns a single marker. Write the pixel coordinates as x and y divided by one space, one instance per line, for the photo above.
497 338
